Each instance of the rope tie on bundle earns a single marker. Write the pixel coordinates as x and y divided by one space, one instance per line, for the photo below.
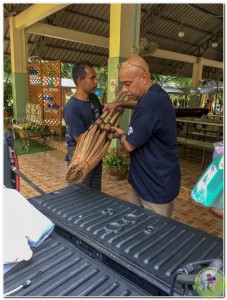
82 161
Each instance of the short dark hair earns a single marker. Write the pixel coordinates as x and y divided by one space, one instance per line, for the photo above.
78 70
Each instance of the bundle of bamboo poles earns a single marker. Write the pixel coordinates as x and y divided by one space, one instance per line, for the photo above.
93 144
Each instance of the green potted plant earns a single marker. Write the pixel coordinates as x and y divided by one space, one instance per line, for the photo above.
34 129
116 163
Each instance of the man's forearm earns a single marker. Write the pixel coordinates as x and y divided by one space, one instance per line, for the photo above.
111 107
125 144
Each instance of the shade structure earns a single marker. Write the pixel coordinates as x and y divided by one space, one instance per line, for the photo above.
172 90
66 82
93 144
211 90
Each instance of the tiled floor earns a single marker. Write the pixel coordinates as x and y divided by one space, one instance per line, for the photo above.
47 170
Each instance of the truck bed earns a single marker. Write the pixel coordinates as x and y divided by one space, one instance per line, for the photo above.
57 268
144 247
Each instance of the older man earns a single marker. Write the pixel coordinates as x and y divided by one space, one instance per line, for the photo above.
154 172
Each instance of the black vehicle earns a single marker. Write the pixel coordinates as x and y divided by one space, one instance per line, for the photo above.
11 179
104 246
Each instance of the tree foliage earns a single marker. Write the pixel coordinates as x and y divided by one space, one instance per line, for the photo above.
66 70
8 91
102 76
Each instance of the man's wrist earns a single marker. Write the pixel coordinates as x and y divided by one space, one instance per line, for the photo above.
122 135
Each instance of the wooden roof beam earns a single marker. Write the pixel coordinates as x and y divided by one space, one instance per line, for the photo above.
212 63
36 13
89 39
184 58
174 56
68 35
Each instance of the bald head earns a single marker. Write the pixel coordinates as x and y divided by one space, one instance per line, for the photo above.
135 77
136 62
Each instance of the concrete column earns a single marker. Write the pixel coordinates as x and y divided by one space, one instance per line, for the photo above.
18 48
196 83
124 37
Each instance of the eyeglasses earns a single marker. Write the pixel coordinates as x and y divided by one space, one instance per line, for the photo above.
122 64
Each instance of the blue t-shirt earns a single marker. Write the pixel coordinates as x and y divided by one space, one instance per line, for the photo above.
154 164
79 115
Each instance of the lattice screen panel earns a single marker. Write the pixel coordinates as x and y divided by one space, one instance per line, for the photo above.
50 95
33 113
35 89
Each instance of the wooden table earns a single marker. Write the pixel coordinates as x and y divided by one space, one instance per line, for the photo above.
34 136
203 121
215 116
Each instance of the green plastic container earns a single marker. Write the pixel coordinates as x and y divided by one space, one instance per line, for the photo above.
208 191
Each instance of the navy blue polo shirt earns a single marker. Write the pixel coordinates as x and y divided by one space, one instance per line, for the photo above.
154 164
79 115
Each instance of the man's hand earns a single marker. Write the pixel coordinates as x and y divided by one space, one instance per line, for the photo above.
118 132
111 107
217 213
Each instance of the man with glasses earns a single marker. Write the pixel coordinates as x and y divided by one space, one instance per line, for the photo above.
83 109
154 172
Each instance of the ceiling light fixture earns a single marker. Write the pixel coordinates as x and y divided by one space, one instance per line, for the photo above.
214 45
181 32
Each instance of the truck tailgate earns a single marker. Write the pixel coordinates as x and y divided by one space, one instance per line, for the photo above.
144 247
